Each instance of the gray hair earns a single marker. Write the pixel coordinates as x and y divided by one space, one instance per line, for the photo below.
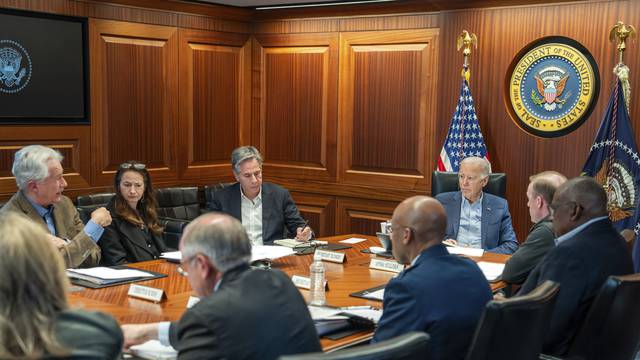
219 237
30 164
485 166
242 154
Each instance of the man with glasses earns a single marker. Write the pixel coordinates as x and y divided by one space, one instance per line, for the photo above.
265 209
588 250
243 313
477 219
40 181
541 238
440 294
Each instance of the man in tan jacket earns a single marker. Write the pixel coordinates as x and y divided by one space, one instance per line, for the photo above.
39 177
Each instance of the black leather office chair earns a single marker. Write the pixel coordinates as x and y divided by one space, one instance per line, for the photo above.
86 204
178 203
410 346
514 328
208 193
445 181
611 329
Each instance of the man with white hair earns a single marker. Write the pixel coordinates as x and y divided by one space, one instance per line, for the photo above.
475 218
40 180
243 313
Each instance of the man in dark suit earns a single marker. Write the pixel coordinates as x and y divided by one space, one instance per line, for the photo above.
242 313
440 294
264 209
588 251
541 238
474 218
40 181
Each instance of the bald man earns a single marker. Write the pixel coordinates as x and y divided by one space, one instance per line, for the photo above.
588 250
440 294
540 239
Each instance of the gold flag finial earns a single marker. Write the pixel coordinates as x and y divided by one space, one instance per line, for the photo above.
465 40
619 34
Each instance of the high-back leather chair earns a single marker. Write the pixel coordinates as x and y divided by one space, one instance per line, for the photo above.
514 328
611 329
446 181
410 346
209 190
86 204
178 203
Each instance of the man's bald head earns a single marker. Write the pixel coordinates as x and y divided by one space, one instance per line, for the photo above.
424 215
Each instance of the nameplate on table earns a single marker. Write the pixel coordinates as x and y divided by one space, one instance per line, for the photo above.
192 301
146 293
332 256
386 265
304 282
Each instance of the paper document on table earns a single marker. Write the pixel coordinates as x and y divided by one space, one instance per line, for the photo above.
377 295
172 255
271 252
152 349
371 314
491 270
467 251
106 273
352 240
324 312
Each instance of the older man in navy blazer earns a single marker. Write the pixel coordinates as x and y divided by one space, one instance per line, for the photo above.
440 294
475 218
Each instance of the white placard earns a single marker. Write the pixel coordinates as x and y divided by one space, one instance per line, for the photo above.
192 301
332 256
386 265
304 282
467 251
146 292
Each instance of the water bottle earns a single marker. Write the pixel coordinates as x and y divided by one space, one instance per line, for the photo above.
316 271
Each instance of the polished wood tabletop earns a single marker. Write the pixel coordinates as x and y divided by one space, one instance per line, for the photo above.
353 275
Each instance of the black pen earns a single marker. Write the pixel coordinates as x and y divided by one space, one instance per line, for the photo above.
306 222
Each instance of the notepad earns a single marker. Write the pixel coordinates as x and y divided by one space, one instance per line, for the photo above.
104 275
491 271
152 349
467 251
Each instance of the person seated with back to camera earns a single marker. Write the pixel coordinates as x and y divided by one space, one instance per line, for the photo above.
134 234
35 319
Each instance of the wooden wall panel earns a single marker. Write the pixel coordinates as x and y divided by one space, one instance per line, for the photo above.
215 101
386 116
362 216
319 210
134 102
294 118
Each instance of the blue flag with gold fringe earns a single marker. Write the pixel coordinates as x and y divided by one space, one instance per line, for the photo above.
615 163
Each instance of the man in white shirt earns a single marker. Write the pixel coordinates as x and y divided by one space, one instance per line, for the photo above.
265 209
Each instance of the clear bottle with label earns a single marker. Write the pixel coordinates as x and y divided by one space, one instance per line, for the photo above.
316 275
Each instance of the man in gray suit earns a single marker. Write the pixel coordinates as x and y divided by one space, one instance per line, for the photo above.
40 181
243 313
264 209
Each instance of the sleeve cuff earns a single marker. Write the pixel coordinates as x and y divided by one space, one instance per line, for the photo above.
163 333
93 230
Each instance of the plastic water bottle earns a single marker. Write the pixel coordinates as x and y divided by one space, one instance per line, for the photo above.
316 271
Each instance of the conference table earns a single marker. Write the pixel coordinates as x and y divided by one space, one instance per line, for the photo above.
343 279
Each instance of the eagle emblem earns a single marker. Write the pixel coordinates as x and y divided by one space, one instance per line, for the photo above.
621 192
550 84
15 66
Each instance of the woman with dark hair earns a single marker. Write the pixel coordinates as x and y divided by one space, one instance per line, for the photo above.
35 319
134 234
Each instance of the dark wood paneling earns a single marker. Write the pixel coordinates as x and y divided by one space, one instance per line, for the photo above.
319 210
362 216
134 82
386 116
294 119
215 100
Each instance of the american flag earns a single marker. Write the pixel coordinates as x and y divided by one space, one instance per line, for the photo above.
464 138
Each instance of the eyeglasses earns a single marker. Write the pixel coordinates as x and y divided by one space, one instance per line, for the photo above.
181 270
133 165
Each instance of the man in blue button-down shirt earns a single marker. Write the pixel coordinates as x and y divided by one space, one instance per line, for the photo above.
475 218
40 181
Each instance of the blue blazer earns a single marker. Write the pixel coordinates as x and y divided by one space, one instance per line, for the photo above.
496 228
278 209
442 295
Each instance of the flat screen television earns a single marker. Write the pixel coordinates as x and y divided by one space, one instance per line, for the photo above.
43 68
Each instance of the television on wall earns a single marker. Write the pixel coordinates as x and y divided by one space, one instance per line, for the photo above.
43 68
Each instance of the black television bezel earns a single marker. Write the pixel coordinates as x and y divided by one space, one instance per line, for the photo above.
52 120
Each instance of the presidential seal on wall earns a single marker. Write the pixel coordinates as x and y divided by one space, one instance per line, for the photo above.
551 87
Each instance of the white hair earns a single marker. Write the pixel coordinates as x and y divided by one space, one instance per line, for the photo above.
485 166
30 164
